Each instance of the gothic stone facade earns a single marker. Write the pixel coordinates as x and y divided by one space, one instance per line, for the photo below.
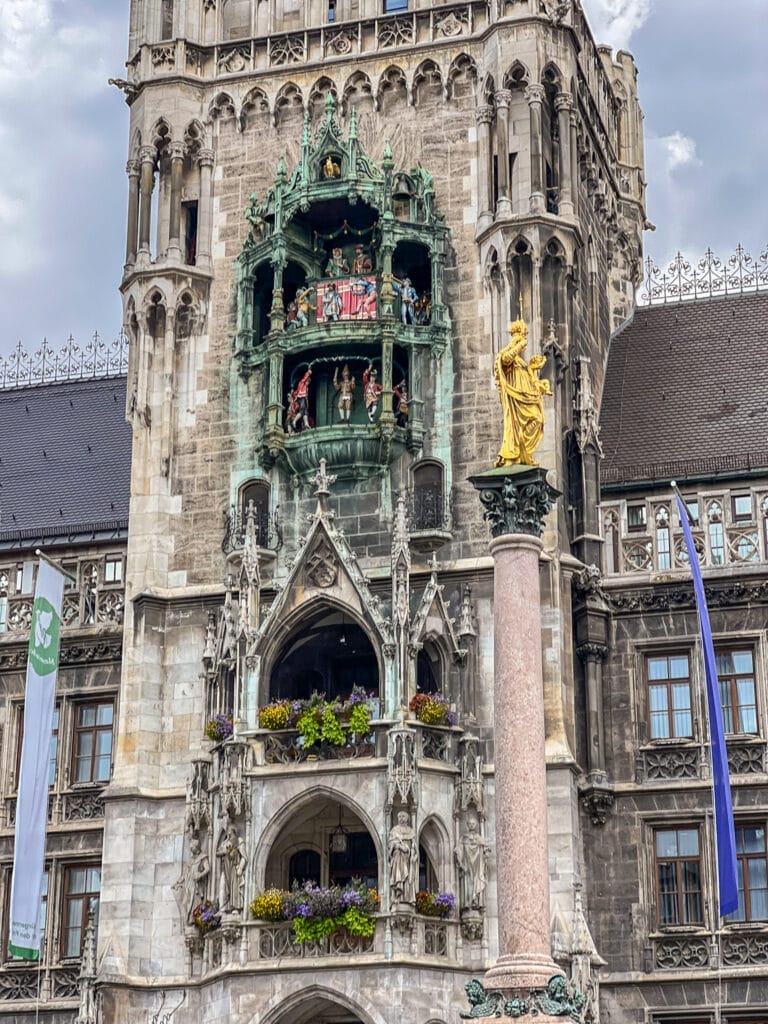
480 156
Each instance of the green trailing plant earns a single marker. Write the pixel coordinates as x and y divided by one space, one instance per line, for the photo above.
309 727
360 720
332 731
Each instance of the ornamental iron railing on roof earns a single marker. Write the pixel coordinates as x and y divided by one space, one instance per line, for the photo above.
97 358
709 278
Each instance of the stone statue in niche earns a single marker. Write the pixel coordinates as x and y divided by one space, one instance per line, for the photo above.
371 391
254 218
401 393
346 389
408 297
232 862
471 858
522 398
190 889
362 263
403 860
333 304
336 266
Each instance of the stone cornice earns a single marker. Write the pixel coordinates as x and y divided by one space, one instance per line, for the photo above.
74 651
662 597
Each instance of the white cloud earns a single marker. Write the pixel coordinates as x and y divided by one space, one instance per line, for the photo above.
677 150
614 21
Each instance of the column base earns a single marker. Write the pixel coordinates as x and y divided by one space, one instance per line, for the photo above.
520 973
538 202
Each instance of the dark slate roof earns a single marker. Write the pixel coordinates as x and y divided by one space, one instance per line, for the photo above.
686 392
65 462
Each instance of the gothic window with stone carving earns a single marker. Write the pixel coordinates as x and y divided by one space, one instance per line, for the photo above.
82 885
663 548
3 600
551 140
752 866
736 678
678 876
328 653
325 841
428 511
520 268
716 533
553 284
429 670
255 499
669 696
611 546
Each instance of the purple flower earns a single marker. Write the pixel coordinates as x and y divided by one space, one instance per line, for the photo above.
446 901
303 910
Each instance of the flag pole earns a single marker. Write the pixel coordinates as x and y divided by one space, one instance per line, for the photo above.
726 865
54 564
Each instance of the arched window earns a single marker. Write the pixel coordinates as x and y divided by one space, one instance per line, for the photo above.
520 266
716 534
663 551
329 653
611 549
428 670
428 497
427 874
256 495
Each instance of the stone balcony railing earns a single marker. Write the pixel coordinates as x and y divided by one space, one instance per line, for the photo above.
64 808
97 606
424 936
673 761
56 984
741 944
285 747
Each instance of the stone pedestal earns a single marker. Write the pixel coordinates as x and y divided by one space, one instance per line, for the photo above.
516 499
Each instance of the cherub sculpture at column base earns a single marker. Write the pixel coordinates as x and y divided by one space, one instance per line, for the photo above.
522 398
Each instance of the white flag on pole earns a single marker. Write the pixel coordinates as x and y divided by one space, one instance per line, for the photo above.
32 802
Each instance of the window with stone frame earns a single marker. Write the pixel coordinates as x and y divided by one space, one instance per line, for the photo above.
736 676
53 748
395 5
113 569
42 916
166 19
636 519
677 855
92 741
752 873
3 600
741 508
82 885
669 696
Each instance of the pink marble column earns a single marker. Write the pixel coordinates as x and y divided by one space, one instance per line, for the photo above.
522 866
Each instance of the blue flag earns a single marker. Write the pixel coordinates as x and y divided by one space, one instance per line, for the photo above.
725 837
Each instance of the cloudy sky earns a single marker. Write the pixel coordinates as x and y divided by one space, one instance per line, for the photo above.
704 87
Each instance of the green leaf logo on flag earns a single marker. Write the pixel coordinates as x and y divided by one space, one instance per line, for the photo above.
44 637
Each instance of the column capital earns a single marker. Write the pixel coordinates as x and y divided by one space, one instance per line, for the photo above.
563 101
592 650
205 158
147 155
535 93
133 168
516 499
176 150
484 114
503 97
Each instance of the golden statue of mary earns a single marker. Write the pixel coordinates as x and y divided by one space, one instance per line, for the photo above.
522 399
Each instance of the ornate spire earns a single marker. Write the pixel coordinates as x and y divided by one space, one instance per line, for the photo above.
323 482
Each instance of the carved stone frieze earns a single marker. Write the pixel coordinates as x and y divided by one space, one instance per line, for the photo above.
740 950
452 23
663 597
340 43
322 566
555 10
401 766
746 758
395 32
277 940
674 763
435 938
287 50
234 60
682 953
